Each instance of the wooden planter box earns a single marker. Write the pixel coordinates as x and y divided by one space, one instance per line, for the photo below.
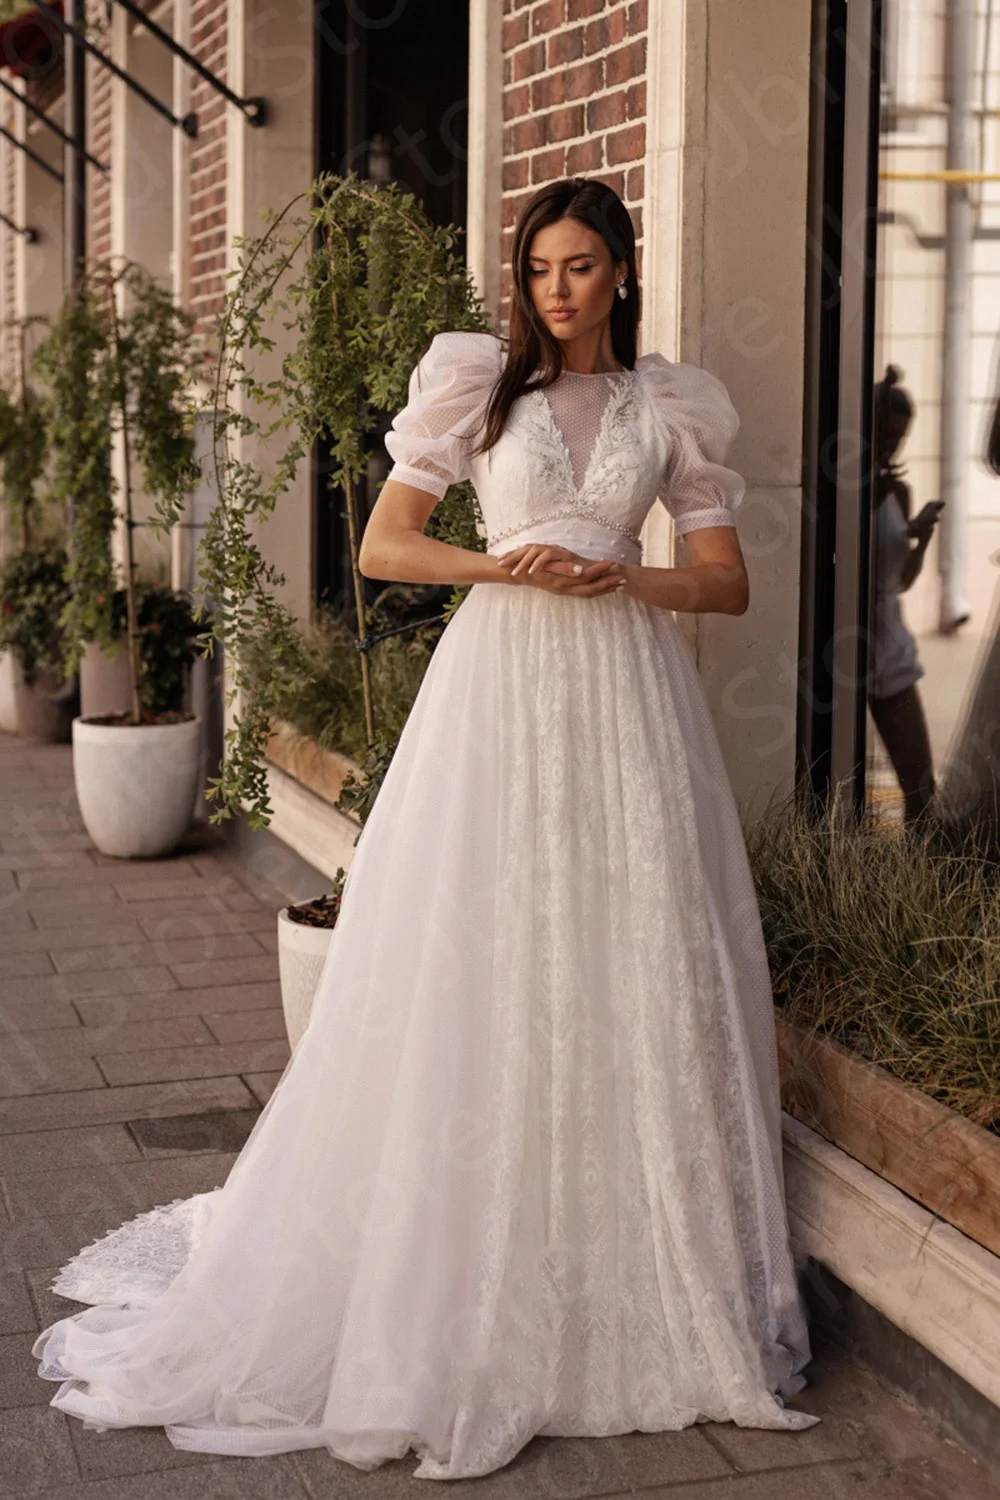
322 771
928 1151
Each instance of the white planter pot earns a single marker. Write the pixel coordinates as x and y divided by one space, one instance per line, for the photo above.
135 784
301 955
28 710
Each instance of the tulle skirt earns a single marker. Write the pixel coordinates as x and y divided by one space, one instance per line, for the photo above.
522 1173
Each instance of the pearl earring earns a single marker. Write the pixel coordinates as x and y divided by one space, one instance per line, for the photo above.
622 290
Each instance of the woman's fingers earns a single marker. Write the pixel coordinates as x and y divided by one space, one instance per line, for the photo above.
609 585
559 570
524 561
546 555
579 569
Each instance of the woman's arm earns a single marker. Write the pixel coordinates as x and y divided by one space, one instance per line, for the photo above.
394 545
893 483
715 582
913 563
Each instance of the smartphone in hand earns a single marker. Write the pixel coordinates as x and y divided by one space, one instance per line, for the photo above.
925 517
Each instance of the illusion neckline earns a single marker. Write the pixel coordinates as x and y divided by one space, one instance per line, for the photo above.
592 374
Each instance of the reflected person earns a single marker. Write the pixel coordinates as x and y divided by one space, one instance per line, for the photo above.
899 545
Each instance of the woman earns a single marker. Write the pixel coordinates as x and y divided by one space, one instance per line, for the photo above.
900 545
522 1173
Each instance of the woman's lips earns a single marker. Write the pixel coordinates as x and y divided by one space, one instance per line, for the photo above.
561 313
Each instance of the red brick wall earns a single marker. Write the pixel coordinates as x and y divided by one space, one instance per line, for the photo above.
574 102
207 235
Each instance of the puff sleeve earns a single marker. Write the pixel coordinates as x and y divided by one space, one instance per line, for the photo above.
700 422
430 439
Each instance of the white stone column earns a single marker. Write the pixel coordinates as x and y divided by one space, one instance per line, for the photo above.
485 145
724 270
271 56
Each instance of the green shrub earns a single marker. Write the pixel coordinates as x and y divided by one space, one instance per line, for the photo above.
33 595
319 687
168 643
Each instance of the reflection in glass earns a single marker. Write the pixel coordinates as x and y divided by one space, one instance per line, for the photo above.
934 578
900 541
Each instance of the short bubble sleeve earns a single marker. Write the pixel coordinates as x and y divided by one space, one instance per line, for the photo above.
430 439
700 421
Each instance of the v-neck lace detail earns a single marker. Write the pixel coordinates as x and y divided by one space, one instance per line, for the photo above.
610 460
581 406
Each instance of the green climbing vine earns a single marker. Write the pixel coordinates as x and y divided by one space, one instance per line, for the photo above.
363 279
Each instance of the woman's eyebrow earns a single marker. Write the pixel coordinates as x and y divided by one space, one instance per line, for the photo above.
580 255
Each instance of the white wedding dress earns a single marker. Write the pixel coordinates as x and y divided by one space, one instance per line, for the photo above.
522 1173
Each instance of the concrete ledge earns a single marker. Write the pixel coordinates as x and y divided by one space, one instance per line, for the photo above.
928 1279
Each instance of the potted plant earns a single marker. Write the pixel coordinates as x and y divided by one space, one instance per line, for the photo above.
33 596
366 279
305 929
33 591
118 361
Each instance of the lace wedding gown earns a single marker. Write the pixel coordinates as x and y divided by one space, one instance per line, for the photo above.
522 1173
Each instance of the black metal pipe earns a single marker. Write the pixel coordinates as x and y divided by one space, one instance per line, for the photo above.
38 160
189 123
41 115
30 235
254 109
74 160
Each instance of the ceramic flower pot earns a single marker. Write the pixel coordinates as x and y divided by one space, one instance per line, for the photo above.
136 784
302 953
28 709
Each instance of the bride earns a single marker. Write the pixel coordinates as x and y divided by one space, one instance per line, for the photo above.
522 1173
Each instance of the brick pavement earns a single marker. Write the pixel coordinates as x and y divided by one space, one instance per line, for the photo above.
140 1033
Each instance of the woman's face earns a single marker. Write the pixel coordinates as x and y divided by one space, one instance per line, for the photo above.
572 278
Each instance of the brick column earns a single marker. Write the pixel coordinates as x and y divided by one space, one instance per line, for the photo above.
207 231
574 102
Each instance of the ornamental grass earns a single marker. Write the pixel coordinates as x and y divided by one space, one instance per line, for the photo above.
889 944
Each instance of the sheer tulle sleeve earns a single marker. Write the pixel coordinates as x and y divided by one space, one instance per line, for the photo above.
700 421
430 439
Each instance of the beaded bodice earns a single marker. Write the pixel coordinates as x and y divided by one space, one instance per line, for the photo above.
573 429
579 463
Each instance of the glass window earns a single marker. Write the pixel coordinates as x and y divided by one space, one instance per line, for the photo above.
392 102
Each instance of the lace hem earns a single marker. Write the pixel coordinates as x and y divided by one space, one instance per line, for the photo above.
134 1264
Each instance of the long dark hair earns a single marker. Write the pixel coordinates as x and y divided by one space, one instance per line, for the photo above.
531 346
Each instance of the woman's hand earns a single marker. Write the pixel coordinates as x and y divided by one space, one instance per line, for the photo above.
560 571
921 528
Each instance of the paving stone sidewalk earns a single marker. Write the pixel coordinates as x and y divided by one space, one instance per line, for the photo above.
140 1034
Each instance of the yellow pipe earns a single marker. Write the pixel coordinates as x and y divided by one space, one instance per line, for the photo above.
947 174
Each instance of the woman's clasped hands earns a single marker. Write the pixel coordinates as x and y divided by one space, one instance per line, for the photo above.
560 571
